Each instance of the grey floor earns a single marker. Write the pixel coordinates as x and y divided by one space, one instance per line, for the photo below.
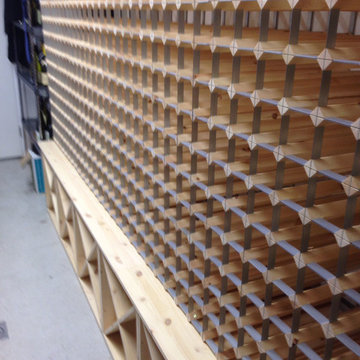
46 313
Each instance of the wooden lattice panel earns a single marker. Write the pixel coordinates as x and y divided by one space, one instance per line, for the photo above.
223 138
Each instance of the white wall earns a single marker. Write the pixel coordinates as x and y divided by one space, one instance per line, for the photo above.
11 142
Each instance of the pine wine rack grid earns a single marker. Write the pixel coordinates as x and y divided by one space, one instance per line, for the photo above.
223 138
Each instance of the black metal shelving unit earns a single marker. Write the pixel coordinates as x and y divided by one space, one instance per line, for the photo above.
33 127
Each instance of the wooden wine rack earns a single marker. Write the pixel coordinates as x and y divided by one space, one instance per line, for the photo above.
223 138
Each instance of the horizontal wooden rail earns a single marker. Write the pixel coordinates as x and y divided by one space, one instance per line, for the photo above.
139 320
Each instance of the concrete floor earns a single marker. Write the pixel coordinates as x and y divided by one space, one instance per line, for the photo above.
46 312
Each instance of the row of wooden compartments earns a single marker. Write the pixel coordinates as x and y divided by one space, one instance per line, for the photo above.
252 5
110 142
310 47
142 177
126 72
116 71
110 158
335 160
